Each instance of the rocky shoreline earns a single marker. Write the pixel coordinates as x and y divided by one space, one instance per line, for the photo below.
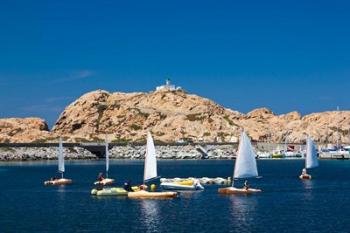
42 153
131 152
175 152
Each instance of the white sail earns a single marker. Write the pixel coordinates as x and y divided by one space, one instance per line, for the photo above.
311 154
107 158
150 169
245 166
60 156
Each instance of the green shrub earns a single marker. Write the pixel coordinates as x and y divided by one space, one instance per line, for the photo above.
135 127
195 117
206 134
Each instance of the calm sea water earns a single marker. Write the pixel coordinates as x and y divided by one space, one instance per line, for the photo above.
286 204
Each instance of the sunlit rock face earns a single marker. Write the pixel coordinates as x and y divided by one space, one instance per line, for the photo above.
23 130
172 116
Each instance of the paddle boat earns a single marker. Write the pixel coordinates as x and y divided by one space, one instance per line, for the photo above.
150 173
61 169
311 160
245 167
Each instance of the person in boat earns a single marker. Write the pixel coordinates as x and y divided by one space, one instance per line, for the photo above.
99 187
304 172
100 177
143 187
128 187
246 185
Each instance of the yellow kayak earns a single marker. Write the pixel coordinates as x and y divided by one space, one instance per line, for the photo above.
185 182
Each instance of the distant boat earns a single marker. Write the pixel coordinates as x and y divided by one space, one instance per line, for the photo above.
184 185
245 167
61 168
107 180
311 160
150 173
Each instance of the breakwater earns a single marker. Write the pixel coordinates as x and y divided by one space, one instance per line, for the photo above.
48 151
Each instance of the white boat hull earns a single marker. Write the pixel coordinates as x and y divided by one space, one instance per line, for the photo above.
180 187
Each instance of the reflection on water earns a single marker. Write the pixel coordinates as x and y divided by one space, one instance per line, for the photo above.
243 209
61 192
308 186
190 194
150 214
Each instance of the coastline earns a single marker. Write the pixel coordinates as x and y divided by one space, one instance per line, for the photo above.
135 152
127 152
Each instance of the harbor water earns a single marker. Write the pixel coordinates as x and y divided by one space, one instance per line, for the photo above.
286 204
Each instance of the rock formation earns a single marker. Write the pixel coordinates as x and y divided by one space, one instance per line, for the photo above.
172 116
23 130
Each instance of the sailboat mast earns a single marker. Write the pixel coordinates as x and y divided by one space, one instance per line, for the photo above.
60 157
338 127
144 166
107 156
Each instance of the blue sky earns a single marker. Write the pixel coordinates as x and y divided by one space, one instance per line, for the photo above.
285 55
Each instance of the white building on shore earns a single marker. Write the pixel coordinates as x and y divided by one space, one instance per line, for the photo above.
168 87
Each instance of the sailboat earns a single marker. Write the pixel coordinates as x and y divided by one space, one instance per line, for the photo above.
61 169
311 160
106 181
150 173
245 167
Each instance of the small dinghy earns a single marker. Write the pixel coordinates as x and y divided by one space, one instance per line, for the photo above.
61 169
150 173
109 192
233 190
311 160
185 185
106 181
245 167
61 181
142 194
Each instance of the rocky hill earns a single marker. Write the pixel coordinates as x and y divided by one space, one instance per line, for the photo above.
24 130
172 116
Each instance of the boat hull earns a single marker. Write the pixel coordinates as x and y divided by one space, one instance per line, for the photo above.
151 195
181 187
58 182
305 177
104 182
109 192
233 190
